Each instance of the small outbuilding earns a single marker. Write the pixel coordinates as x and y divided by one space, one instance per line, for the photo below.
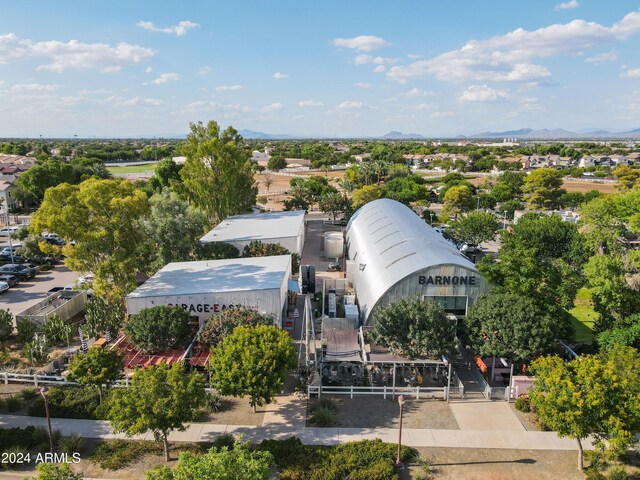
395 254
283 228
208 287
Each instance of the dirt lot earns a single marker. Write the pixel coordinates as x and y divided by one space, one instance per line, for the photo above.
487 464
580 186
526 419
366 412
236 411
280 184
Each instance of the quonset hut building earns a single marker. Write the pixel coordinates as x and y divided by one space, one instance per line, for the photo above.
394 254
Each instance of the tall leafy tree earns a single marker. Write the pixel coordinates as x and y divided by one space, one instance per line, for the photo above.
542 188
222 325
35 181
591 395
414 328
158 328
510 326
334 203
160 399
366 194
476 227
6 324
457 200
99 366
252 361
104 217
218 173
256 248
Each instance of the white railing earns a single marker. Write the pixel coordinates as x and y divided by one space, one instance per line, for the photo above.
34 379
417 392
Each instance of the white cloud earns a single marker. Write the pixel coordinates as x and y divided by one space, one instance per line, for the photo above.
364 59
567 5
205 70
228 88
510 57
363 85
148 70
481 93
99 91
280 76
380 69
441 114
602 57
202 106
166 78
31 87
153 102
416 92
72 54
351 105
272 108
628 72
413 56
422 107
310 103
179 30
364 43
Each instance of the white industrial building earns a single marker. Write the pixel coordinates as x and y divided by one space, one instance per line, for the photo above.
282 228
205 288
395 254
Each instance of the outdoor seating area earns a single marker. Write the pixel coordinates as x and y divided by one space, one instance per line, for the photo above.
132 357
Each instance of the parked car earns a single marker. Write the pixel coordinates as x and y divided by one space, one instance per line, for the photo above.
4 286
23 273
54 241
12 280
7 231
8 250
470 248
8 259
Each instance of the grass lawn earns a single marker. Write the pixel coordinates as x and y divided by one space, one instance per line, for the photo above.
143 167
584 316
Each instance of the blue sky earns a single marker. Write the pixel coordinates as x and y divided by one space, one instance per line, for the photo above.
345 68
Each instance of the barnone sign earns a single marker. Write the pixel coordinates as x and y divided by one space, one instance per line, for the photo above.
447 280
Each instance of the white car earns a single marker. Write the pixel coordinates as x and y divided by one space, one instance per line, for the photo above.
7 231
4 286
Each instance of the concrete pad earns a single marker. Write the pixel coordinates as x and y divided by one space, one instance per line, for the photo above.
517 440
446 438
326 436
211 431
485 415
418 438
191 434
388 435
350 435
492 439
469 439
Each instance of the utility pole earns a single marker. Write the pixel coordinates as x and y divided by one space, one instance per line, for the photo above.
43 392
398 460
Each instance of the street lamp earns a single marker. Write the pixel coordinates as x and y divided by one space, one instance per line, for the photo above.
43 392
431 220
401 403
504 220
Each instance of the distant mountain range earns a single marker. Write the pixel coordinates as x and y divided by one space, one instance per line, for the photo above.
520 134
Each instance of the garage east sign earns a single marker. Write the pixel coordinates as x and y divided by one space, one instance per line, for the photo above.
208 307
447 280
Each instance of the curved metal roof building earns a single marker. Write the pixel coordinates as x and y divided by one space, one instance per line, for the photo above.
394 254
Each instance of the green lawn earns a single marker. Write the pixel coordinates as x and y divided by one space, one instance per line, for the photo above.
584 316
143 167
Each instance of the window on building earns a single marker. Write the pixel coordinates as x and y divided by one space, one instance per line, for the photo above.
457 305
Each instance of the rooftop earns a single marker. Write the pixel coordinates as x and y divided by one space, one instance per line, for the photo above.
216 276
260 226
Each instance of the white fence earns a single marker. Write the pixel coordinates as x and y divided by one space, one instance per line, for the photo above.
417 392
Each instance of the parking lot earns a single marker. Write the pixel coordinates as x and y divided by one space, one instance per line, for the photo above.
27 293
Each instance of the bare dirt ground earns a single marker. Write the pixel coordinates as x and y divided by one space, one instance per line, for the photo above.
488 464
528 420
280 184
236 411
580 186
365 412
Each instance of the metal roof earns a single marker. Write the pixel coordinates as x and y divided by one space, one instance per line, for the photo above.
388 241
216 276
259 226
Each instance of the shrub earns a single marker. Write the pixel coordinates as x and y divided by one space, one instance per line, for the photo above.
323 417
71 444
222 324
226 440
57 330
26 330
25 438
160 472
6 324
158 328
617 473
29 394
11 451
13 404
36 350
117 454
70 402
523 404
215 403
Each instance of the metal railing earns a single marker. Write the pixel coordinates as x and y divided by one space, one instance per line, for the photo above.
417 392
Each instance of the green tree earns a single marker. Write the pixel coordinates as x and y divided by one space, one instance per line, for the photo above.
405 189
35 181
414 328
627 177
364 195
591 395
173 230
276 163
218 173
221 325
103 315
56 471
242 462
457 200
625 333
510 326
256 248
476 227
542 188
104 217
31 248
6 324
158 328
217 251
252 361
334 203
98 367
160 399
167 173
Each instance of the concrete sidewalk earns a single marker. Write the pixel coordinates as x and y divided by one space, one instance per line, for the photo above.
206 432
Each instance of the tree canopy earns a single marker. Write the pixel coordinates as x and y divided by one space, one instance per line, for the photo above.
457 199
414 328
510 326
160 399
218 173
99 366
256 248
158 328
476 227
221 325
252 361
542 188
